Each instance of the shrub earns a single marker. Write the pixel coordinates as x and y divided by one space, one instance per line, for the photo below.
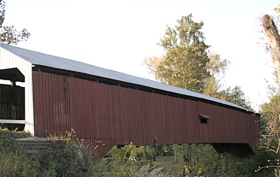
61 158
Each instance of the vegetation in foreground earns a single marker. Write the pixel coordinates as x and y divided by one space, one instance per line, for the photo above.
58 159
202 160
72 158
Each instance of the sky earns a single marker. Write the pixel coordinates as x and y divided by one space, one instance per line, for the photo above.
120 34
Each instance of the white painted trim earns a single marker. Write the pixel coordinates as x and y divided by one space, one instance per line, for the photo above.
9 60
8 121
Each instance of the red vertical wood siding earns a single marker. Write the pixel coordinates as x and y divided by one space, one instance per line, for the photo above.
116 115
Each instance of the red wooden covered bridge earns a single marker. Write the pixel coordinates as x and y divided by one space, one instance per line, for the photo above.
50 95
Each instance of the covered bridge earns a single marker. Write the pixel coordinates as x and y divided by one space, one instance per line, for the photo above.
50 95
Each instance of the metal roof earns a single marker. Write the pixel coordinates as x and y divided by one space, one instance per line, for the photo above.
41 59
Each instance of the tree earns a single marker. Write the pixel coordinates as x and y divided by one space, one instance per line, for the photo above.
271 111
273 37
216 68
188 64
271 135
234 95
8 34
185 59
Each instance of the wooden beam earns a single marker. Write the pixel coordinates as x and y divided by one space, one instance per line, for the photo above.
7 121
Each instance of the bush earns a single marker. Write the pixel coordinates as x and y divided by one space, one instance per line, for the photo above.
118 163
13 161
65 159
61 158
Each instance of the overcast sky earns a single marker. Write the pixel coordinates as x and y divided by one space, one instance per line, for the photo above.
120 34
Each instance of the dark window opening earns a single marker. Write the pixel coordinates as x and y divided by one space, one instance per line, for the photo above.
204 118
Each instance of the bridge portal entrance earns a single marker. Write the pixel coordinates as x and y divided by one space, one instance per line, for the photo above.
12 99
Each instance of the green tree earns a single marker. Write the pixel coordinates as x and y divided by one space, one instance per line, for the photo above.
188 64
216 67
234 95
184 63
8 34
271 132
271 111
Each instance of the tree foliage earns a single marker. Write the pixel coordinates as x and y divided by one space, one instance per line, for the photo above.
216 67
271 132
184 63
235 95
8 34
271 111
277 10
187 63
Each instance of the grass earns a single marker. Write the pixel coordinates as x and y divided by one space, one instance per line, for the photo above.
169 165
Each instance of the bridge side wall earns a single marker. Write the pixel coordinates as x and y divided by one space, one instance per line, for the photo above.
113 115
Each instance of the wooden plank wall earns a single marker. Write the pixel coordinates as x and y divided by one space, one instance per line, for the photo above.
121 115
